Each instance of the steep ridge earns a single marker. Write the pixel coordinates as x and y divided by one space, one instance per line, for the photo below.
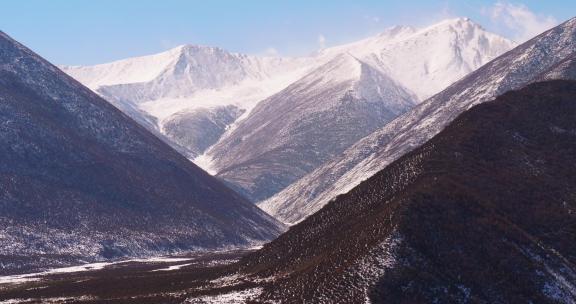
525 64
415 62
308 123
81 181
484 212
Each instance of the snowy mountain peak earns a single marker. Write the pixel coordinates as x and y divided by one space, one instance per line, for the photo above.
424 60
397 31
461 26
192 51
195 47
458 21
342 67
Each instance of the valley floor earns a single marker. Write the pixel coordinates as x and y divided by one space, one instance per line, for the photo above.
194 278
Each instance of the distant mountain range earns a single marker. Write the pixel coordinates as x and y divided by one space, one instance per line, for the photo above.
81 181
260 124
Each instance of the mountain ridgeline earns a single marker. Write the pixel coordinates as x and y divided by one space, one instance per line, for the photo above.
550 55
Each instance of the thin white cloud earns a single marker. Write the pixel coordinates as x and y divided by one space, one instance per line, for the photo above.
270 52
321 41
372 19
519 20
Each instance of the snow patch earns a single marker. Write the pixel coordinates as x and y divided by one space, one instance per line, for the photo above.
31 277
229 298
174 267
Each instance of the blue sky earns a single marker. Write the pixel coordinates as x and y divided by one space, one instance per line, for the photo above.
90 32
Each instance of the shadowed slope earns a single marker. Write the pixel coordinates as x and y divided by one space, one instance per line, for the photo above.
484 212
80 180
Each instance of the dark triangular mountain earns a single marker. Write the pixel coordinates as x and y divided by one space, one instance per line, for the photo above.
484 212
79 180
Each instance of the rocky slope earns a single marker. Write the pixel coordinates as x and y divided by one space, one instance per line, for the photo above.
484 212
79 180
547 56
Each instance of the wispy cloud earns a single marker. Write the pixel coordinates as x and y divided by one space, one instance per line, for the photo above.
519 20
372 19
270 52
321 41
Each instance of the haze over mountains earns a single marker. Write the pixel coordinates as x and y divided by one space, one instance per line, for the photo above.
81 181
383 75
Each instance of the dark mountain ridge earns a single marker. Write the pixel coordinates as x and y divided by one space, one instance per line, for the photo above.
79 180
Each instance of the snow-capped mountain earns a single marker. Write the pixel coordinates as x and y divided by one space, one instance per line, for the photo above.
484 212
174 92
80 181
201 98
307 124
360 88
549 55
428 60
